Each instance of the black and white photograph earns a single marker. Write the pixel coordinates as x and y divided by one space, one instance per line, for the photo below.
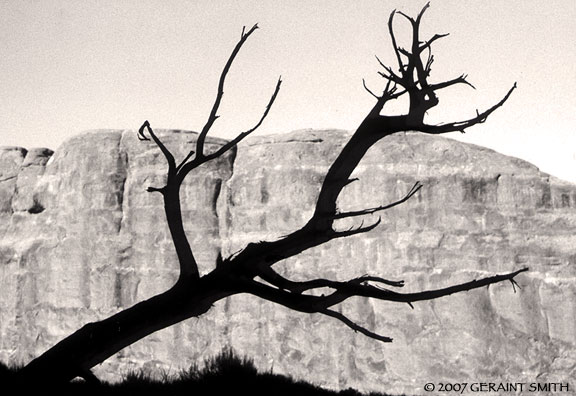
274 197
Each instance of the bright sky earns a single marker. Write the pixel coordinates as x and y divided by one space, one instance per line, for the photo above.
69 66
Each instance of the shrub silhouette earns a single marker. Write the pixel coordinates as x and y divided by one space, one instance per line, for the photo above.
224 374
225 364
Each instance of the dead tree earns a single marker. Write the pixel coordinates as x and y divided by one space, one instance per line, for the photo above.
252 269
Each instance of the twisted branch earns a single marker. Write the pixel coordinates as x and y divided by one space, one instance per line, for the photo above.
461 126
358 287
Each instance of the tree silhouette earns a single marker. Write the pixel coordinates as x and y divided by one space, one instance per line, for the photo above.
193 295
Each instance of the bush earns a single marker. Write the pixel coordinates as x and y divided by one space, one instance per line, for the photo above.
224 374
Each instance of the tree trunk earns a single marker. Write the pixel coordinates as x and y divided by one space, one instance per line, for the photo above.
95 342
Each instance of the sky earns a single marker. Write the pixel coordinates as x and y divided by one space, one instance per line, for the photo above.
70 66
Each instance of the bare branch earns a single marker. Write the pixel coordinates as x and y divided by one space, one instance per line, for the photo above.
167 154
156 189
388 94
345 290
514 284
274 278
185 167
368 90
242 135
213 113
397 94
462 125
298 302
475 284
388 91
394 44
353 231
428 43
349 181
392 76
354 326
377 279
405 52
190 154
429 62
171 194
409 18
307 304
363 280
419 17
352 289
141 136
458 80
359 287
417 186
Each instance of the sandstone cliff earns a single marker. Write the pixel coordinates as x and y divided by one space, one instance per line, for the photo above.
80 239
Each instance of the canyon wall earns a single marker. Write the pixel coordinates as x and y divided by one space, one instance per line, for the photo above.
80 239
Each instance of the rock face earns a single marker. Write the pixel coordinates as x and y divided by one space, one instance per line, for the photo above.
80 239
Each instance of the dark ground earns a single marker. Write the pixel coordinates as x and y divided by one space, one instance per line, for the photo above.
226 374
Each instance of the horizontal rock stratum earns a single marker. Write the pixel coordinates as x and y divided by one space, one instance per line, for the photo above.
80 239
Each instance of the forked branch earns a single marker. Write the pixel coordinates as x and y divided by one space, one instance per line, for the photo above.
201 157
220 93
195 158
242 135
358 287
176 173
